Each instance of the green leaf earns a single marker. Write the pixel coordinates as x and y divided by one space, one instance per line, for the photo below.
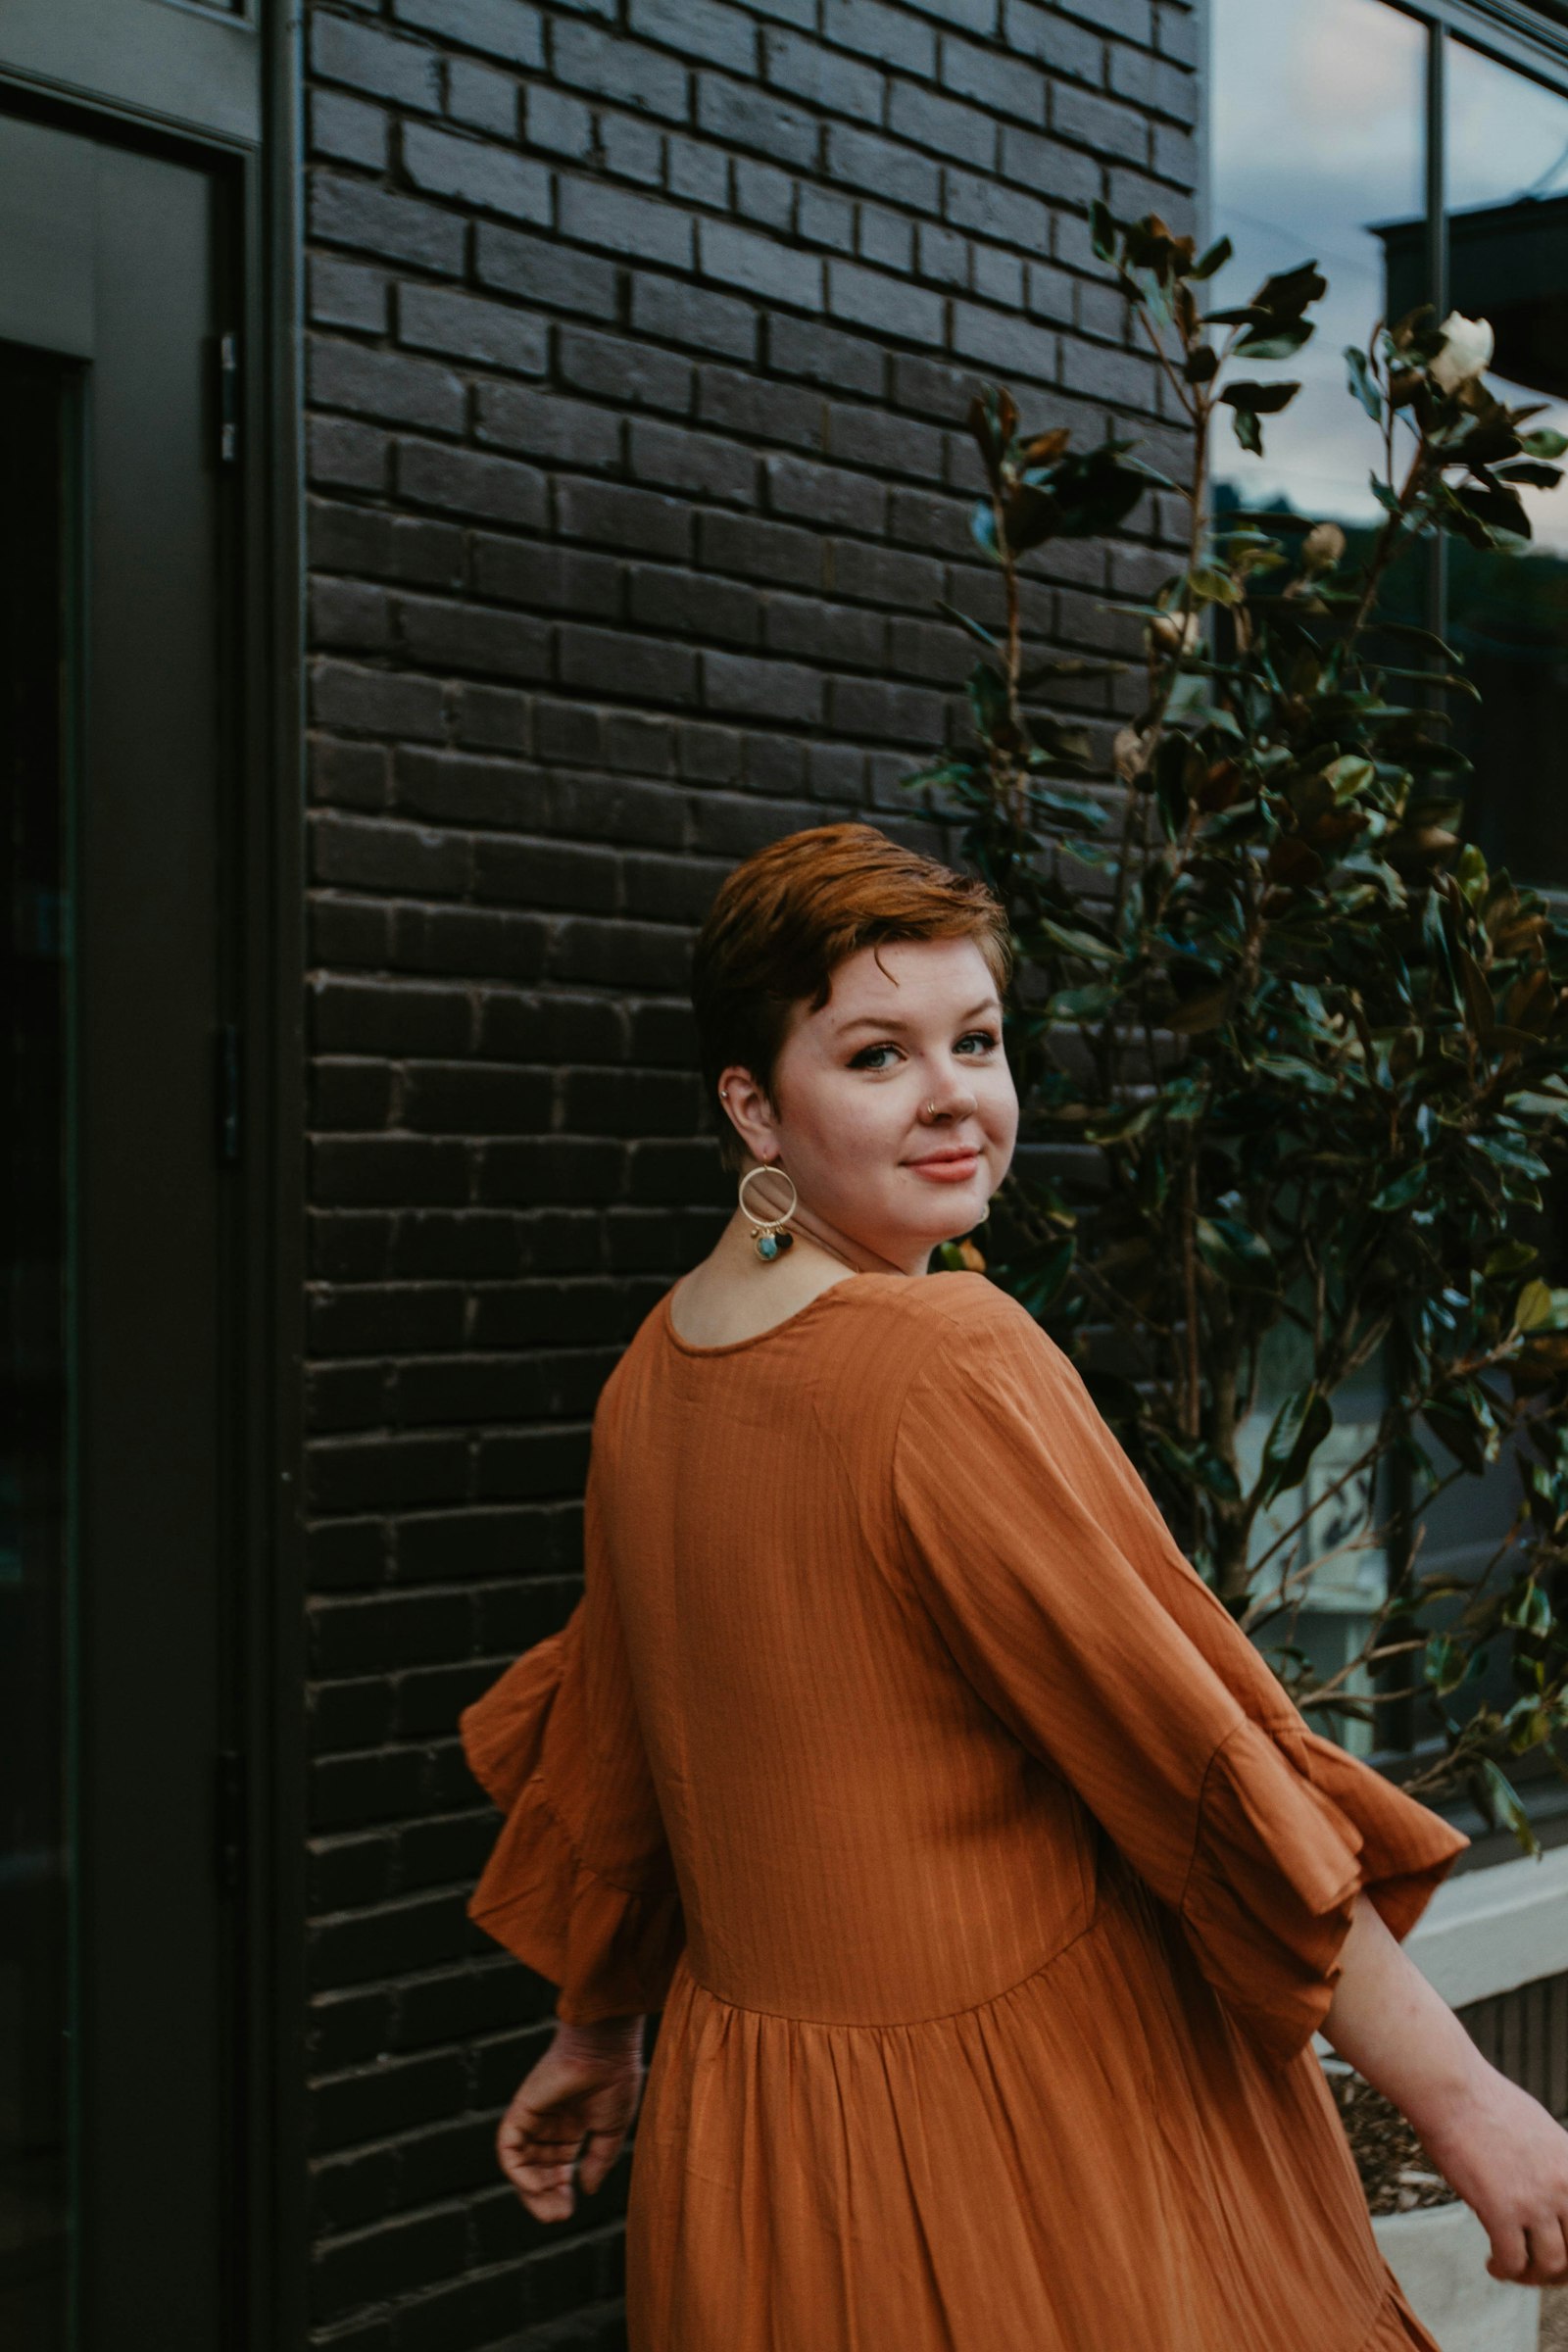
1400 1191
1277 343
1212 261
1299 1429
1265 399
1249 432
1497 1801
1362 383
1544 443
1534 1308
1236 1254
1102 227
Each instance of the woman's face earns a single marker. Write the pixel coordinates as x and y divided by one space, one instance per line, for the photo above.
910 1023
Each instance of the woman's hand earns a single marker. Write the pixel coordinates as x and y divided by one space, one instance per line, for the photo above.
578 2101
1508 2159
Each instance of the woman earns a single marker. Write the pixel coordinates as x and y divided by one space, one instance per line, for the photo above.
989 1885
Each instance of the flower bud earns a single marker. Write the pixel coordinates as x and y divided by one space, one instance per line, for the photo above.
1467 345
1172 636
1322 546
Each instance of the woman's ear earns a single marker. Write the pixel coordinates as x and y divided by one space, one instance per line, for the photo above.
750 1113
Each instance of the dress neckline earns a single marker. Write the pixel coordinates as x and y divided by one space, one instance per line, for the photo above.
845 1281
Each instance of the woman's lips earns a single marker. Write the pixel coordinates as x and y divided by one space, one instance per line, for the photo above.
948 1171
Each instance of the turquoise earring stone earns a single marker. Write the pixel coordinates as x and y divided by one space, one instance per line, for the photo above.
773 1245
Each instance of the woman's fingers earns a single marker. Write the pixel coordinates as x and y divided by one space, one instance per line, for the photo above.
537 2158
602 2149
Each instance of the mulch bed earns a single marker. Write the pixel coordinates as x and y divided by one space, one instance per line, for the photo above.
1397 2173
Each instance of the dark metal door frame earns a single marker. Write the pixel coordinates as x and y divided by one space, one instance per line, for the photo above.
223 90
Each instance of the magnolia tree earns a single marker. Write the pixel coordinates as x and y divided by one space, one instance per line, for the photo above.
1312 1050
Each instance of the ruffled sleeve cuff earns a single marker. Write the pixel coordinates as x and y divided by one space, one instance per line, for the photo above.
1289 1829
610 1944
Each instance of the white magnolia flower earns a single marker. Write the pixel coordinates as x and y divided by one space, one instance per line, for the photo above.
1466 351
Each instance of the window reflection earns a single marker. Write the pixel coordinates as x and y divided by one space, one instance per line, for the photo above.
1306 155
1507 181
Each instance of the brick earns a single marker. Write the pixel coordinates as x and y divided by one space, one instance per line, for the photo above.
552 579
476 174
570 432
386 385
586 59
640 668
1047 170
889 34
743 116
482 98
349 129
632 374
1153 84
350 613
348 456
1100 123
691 603
490 489
828 494
559 124
888 714
763 689
822 219
725 36
992 79
698 462
625 518
504 28
629 149
347 294
1053 40
861 159
824 355
942 125
376 855
465 326
772 551
374 62
989 209
691 314
837 84
537 271
435 634
764 194
814 631
746 401
779 273
884 238
376 700
696 173
349 212
887 303
597 214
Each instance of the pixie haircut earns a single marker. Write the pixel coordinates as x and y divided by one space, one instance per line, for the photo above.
784 920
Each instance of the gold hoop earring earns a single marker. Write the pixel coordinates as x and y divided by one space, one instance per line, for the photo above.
769 1235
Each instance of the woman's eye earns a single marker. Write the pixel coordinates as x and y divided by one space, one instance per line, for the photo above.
862 1061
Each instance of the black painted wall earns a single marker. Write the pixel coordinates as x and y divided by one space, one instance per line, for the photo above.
642 336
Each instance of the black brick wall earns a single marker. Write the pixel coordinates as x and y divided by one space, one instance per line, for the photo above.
642 333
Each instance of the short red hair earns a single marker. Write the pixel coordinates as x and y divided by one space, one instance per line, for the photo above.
784 920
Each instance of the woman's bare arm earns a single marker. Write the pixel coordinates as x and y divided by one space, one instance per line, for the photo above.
1498 2146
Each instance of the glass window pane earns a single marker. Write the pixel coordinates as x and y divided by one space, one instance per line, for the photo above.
1309 159
1508 223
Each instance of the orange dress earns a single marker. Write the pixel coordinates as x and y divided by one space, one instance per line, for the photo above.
989 1885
